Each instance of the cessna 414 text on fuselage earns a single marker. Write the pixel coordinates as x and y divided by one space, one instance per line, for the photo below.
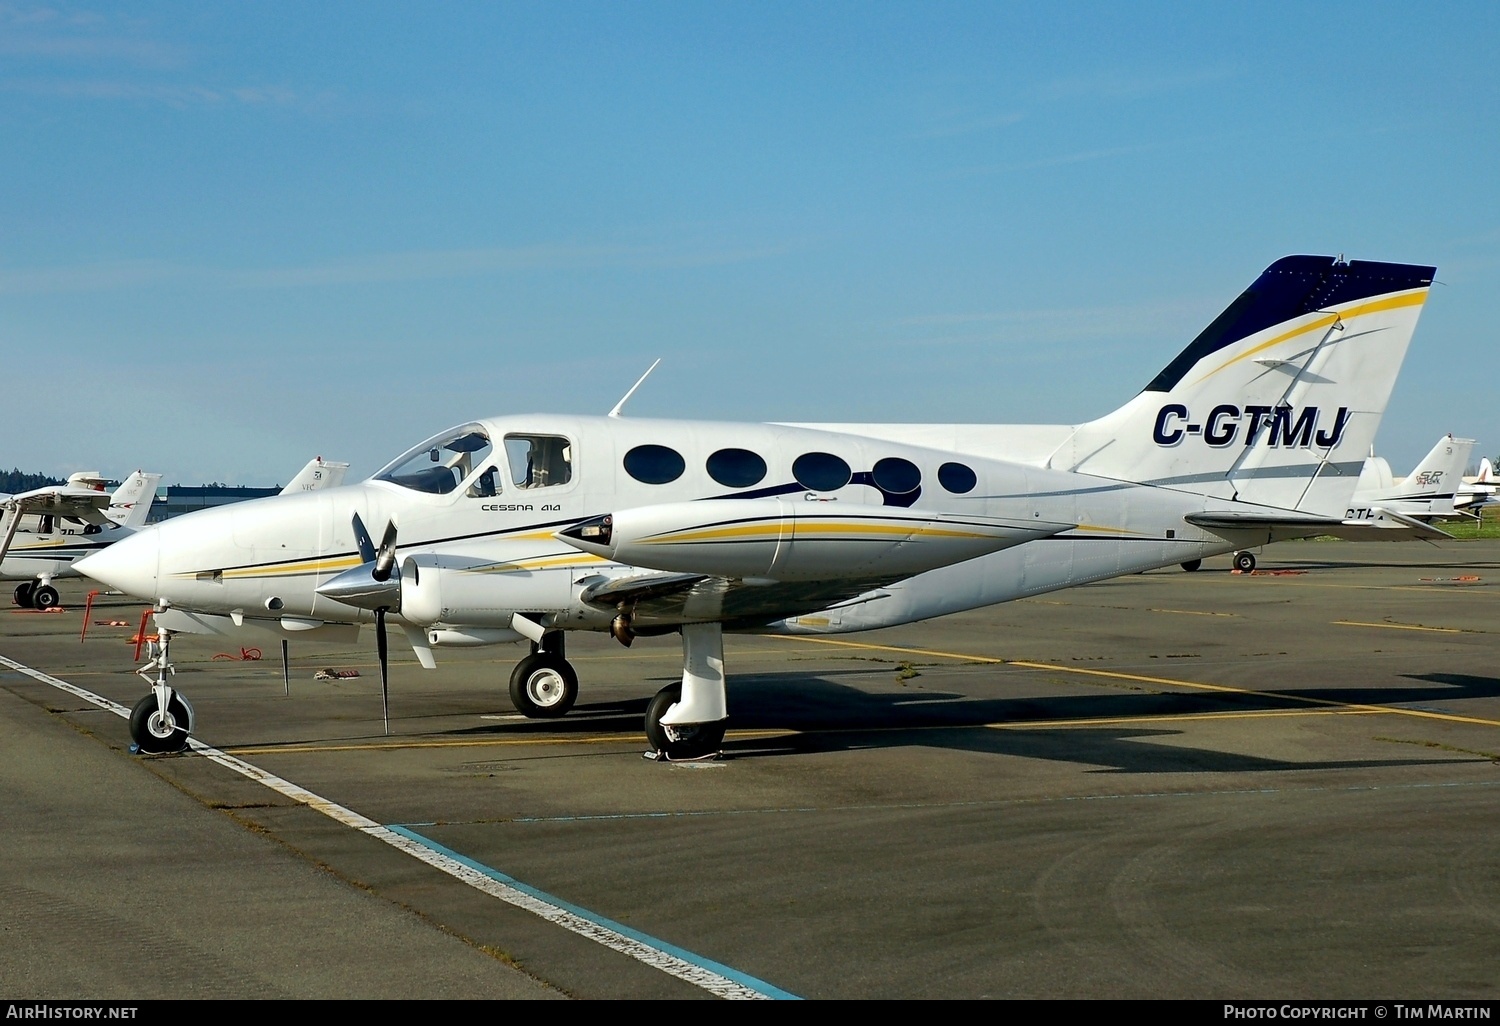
526 527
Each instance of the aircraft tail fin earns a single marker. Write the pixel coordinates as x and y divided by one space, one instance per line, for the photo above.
1277 401
319 473
132 501
1440 473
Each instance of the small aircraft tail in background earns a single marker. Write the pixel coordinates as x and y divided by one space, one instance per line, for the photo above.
1427 493
1478 491
131 502
319 473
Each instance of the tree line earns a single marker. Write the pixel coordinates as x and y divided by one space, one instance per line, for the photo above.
14 480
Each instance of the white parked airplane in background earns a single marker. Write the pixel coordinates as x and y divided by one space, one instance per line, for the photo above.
526 527
45 531
1427 493
1478 491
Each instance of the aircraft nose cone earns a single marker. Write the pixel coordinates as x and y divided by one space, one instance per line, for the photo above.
129 565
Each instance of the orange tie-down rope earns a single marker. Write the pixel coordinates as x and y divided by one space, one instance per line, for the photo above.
245 655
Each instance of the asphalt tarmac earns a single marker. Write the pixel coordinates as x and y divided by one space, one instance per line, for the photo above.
1171 785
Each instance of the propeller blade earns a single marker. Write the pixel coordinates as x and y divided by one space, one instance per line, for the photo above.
362 540
385 559
385 683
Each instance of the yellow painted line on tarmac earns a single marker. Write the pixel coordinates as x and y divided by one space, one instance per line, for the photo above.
391 746
1141 678
1190 612
1178 717
1397 626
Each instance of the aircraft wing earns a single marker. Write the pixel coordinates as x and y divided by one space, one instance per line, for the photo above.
187 621
666 600
80 503
75 500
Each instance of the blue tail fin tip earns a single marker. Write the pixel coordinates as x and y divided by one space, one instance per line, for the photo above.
1291 287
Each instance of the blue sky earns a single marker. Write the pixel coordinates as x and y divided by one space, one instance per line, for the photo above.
236 236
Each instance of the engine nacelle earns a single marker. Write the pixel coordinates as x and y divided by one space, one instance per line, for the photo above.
794 539
439 590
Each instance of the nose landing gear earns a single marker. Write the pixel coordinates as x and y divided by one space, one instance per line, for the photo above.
163 719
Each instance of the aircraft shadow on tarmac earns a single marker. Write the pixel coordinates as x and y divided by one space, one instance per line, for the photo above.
816 713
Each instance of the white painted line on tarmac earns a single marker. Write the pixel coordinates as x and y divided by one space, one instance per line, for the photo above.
717 979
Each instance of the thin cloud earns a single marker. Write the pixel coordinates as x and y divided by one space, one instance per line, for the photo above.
1050 325
379 268
1057 161
180 97
1129 87
969 126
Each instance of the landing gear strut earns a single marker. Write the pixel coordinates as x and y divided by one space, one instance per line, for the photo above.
686 720
544 685
161 721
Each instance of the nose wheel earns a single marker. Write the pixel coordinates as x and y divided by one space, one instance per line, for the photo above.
1244 562
156 729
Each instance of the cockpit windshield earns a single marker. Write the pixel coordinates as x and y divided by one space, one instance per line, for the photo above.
440 464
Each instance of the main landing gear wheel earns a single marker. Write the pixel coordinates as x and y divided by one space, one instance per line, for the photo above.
1191 565
543 686
23 594
44 597
680 740
155 732
1244 562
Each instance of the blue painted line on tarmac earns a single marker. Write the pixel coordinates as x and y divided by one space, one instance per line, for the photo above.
743 979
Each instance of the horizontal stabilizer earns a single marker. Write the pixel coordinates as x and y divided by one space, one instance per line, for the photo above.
1233 521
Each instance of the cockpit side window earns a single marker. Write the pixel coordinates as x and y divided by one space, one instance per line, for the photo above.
539 461
440 464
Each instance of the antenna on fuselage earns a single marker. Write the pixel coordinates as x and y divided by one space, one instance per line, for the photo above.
626 397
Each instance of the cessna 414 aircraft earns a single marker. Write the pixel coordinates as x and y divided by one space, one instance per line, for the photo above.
526 527
45 531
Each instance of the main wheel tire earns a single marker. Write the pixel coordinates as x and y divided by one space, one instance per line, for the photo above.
23 594
692 740
44 597
1192 565
543 686
154 732
1244 562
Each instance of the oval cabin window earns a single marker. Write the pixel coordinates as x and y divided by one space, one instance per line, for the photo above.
654 464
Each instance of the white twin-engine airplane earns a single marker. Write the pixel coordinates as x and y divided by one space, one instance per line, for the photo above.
526 527
46 531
